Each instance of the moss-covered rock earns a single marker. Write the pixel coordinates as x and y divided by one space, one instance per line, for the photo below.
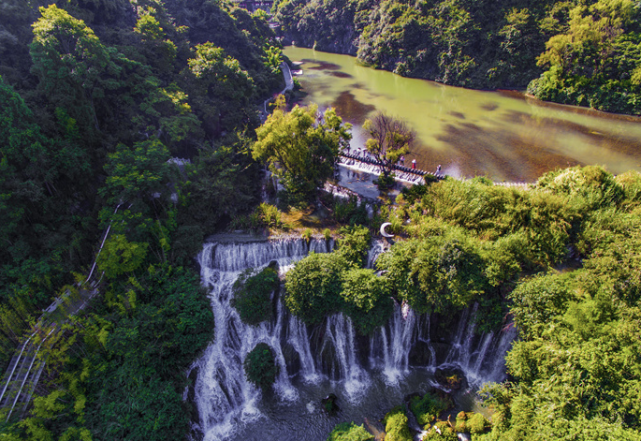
252 295
427 408
350 432
396 427
260 366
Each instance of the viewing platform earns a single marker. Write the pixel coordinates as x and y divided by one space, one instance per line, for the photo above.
367 163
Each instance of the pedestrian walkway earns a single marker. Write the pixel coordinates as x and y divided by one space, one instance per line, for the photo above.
366 163
289 85
25 368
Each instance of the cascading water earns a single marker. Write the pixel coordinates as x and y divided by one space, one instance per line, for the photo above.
222 393
298 338
368 374
339 333
390 346
425 337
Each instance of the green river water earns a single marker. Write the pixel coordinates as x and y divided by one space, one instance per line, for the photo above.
502 135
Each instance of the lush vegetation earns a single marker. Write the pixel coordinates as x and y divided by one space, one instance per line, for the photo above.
96 99
260 366
561 258
99 98
252 295
349 432
576 370
427 408
323 284
575 52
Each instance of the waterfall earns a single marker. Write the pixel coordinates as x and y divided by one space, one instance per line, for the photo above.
222 394
474 372
377 248
504 343
394 342
339 332
327 353
298 338
424 336
460 351
481 355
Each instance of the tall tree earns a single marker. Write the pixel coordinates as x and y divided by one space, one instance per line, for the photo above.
301 147
389 139
73 66
222 90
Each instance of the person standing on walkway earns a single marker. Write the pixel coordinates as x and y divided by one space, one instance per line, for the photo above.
413 164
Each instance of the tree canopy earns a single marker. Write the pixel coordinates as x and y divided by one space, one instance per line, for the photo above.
301 147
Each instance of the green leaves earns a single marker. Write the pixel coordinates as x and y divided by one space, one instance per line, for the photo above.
260 366
252 295
314 285
120 256
367 299
594 62
439 274
323 284
349 432
301 147
138 174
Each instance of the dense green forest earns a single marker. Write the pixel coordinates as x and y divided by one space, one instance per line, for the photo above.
562 258
95 98
142 117
586 53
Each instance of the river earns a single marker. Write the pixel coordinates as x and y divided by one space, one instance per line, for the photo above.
503 135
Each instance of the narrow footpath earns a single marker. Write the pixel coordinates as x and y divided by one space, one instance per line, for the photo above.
25 368
289 85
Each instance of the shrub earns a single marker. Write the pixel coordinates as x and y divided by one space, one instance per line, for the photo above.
350 211
269 215
436 273
460 425
260 366
430 179
631 183
427 408
444 432
307 235
367 299
385 183
314 285
396 428
415 192
354 244
588 187
252 295
476 423
349 432
537 299
327 234
541 220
